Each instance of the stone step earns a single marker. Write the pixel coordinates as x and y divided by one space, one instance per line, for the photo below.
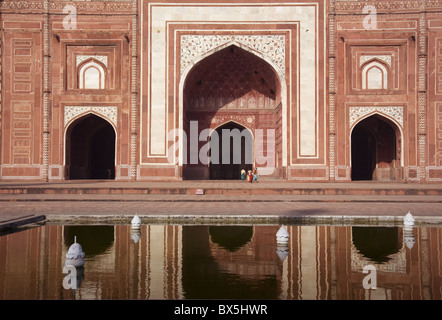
187 198
247 189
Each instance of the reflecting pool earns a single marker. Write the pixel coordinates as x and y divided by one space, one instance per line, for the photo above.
223 262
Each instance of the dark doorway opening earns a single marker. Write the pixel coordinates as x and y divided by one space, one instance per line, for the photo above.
363 154
90 149
235 149
374 150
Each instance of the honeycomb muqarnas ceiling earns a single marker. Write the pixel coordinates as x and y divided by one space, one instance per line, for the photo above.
230 74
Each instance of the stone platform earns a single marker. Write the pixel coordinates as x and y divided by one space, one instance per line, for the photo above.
226 188
220 201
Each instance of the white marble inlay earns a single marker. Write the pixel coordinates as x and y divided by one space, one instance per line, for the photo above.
193 46
384 58
395 112
81 58
108 112
305 15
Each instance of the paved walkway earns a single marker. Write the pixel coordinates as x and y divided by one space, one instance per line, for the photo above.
218 184
104 201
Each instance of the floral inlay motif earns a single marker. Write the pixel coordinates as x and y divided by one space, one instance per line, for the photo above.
272 46
109 112
395 112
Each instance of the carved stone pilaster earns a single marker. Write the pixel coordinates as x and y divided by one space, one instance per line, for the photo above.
134 91
422 156
422 89
1 80
332 88
46 88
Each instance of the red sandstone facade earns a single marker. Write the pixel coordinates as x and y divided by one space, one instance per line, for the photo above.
347 90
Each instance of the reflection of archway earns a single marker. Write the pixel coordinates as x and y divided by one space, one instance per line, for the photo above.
377 243
204 278
231 238
235 151
94 240
375 150
231 84
90 149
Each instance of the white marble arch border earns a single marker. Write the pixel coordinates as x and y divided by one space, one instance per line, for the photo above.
392 113
269 46
107 113
155 39
280 75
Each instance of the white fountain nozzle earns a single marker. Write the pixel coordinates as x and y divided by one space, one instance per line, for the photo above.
282 236
136 222
408 219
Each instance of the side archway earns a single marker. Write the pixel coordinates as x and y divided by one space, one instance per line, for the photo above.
90 149
376 150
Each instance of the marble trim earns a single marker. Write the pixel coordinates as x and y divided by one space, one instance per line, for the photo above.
155 36
108 112
81 58
272 46
384 58
394 112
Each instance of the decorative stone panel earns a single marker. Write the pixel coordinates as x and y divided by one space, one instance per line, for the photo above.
272 46
395 112
384 58
108 112
248 120
81 58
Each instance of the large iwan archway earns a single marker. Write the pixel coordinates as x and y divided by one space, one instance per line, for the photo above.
90 149
375 150
235 87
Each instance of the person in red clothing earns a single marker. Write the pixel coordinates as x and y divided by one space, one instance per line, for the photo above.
249 176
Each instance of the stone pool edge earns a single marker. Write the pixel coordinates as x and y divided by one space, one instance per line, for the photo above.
242 219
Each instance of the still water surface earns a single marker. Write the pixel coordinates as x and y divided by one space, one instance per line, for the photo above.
223 262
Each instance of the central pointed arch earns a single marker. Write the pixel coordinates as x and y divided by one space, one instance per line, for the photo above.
231 83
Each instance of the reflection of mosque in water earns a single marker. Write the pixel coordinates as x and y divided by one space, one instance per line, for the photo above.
174 262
